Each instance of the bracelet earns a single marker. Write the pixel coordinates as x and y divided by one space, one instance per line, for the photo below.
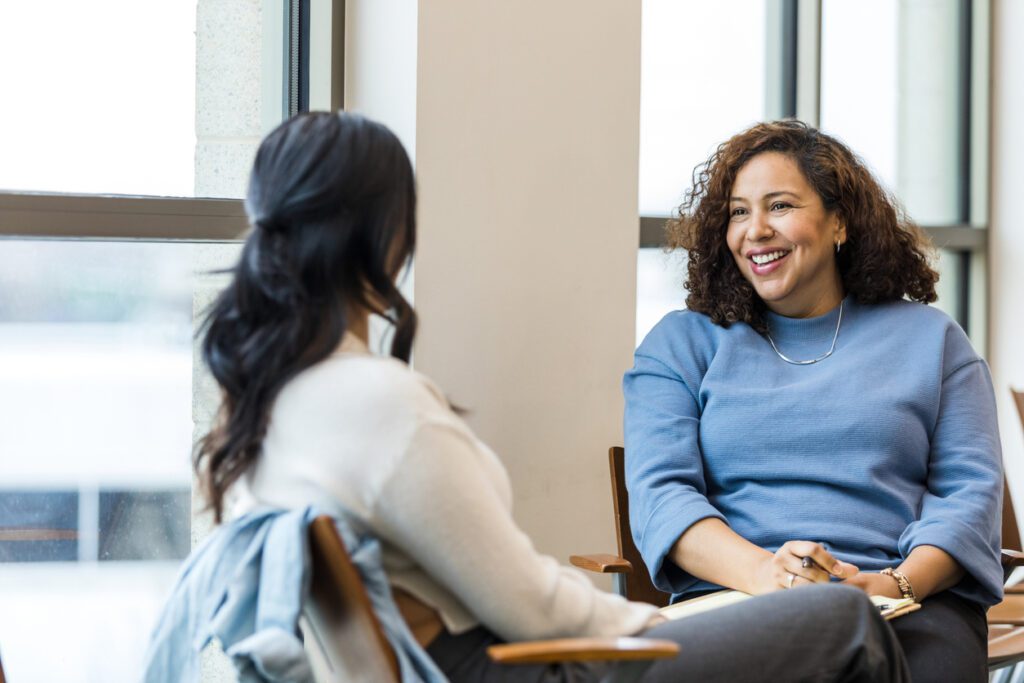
906 590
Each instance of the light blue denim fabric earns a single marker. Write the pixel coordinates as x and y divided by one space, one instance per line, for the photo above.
245 586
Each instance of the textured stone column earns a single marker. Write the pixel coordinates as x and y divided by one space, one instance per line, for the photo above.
229 125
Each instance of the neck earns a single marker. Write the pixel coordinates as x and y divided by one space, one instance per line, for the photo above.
819 304
359 323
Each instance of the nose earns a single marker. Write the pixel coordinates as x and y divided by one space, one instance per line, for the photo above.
758 227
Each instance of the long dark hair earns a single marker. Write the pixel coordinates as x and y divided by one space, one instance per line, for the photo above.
332 203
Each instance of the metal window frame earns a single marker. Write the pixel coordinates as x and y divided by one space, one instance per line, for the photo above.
69 216
48 215
793 59
952 237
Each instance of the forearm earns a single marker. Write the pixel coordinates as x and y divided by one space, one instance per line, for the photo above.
930 570
711 551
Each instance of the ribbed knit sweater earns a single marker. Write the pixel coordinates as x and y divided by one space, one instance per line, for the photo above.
888 444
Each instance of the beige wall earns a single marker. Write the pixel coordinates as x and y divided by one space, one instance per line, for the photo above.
527 134
1006 245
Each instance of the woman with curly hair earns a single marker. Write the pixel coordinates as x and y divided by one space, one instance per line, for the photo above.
809 419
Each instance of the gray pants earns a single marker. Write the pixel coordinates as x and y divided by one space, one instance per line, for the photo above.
814 633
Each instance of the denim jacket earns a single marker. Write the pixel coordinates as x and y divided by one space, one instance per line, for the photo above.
245 586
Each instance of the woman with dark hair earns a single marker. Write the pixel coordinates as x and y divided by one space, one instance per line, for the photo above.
808 404
311 417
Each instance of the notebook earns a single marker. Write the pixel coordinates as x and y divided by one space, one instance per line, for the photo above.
889 608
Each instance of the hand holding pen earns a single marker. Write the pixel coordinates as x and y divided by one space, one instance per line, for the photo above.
800 563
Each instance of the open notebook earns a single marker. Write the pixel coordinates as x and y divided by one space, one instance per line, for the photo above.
889 608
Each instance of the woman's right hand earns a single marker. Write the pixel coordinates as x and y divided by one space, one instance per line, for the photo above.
786 567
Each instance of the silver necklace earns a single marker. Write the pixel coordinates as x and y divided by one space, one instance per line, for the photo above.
813 360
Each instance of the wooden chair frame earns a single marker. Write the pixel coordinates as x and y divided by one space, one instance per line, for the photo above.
345 640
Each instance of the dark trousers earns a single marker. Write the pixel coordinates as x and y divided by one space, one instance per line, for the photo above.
945 641
815 633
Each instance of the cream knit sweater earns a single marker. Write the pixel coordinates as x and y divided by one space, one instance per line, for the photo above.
378 437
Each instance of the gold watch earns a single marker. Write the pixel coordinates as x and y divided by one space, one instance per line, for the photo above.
906 590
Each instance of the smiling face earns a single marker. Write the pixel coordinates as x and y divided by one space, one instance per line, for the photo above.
783 239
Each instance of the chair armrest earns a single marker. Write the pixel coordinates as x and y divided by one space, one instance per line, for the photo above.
582 650
602 563
1012 558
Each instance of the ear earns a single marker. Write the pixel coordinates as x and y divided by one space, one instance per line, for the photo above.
840 231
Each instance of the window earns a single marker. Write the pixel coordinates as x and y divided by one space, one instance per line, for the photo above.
118 204
96 363
686 110
686 107
92 89
913 104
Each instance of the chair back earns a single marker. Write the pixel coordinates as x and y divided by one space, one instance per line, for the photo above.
344 639
638 582
1011 534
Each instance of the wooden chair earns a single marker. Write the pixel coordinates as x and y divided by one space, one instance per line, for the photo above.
345 641
628 570
1006 620
633 581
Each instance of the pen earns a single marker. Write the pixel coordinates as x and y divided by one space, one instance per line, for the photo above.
809 563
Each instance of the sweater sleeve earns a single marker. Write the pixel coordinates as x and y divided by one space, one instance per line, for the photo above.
664 468
960 511
443 507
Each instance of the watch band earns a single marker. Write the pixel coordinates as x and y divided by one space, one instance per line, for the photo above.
906 590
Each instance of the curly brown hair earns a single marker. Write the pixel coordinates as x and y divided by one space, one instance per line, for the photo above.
885 257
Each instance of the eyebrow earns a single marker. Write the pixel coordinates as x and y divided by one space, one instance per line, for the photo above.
770 195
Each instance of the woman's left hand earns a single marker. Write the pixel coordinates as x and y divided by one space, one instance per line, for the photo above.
874 583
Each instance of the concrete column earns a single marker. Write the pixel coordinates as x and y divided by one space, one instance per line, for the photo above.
527 134
230 121
1006 236
229 95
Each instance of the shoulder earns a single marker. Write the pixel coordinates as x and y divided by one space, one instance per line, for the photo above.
924 328
687 335
683 345
683 325
910 311
377 387
914 317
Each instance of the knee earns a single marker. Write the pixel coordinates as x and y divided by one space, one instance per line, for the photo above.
842 599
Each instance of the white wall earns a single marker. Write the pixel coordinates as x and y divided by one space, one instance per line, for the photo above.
380 64
1006 245
527 153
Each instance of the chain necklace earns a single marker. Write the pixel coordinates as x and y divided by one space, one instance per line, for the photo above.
813 360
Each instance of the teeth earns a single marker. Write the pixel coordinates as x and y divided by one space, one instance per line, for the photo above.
761 259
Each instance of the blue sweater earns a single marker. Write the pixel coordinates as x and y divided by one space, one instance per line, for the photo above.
888 444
